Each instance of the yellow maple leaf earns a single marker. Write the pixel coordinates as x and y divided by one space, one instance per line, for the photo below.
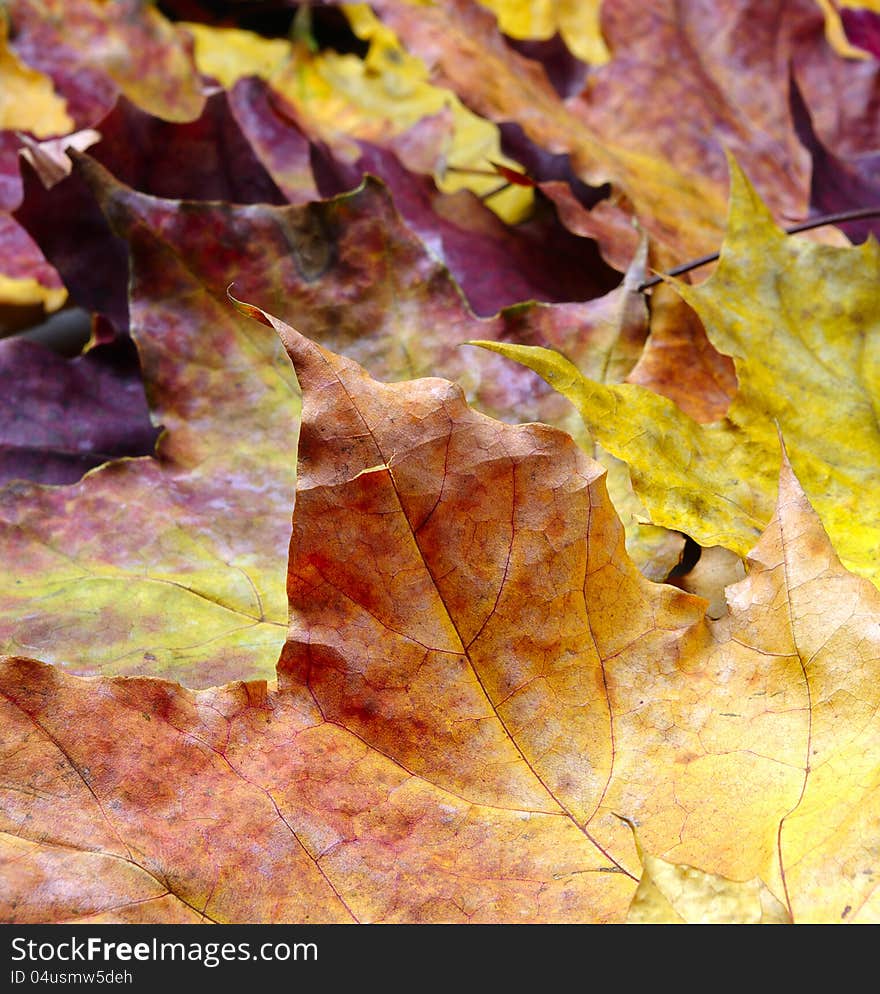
800 320
230 54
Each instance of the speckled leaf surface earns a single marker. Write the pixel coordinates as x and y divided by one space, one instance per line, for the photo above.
394 660
145 561
457 738
350 274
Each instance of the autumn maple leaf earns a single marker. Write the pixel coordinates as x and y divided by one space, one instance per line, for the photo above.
476 686
354 277
796 318
448 687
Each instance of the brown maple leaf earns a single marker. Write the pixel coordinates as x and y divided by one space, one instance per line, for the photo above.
476 686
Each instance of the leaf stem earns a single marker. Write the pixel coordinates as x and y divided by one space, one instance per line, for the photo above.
816 222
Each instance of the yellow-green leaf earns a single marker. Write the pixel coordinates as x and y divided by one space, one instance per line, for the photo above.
801 322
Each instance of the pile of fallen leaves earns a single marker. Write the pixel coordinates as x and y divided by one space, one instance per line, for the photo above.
594 645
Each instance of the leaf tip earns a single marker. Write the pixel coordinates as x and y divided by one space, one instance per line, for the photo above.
746 208
301 349
52 159
249 310
789 485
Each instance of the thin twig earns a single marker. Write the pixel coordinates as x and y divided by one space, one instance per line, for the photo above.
816 222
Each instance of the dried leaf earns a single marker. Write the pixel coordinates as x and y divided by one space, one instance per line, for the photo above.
797 319
480 698
143 562
679 361
28 280
312 263
849 127
208 158
838 183
276 137
49 158
27 102
464 702
496 265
